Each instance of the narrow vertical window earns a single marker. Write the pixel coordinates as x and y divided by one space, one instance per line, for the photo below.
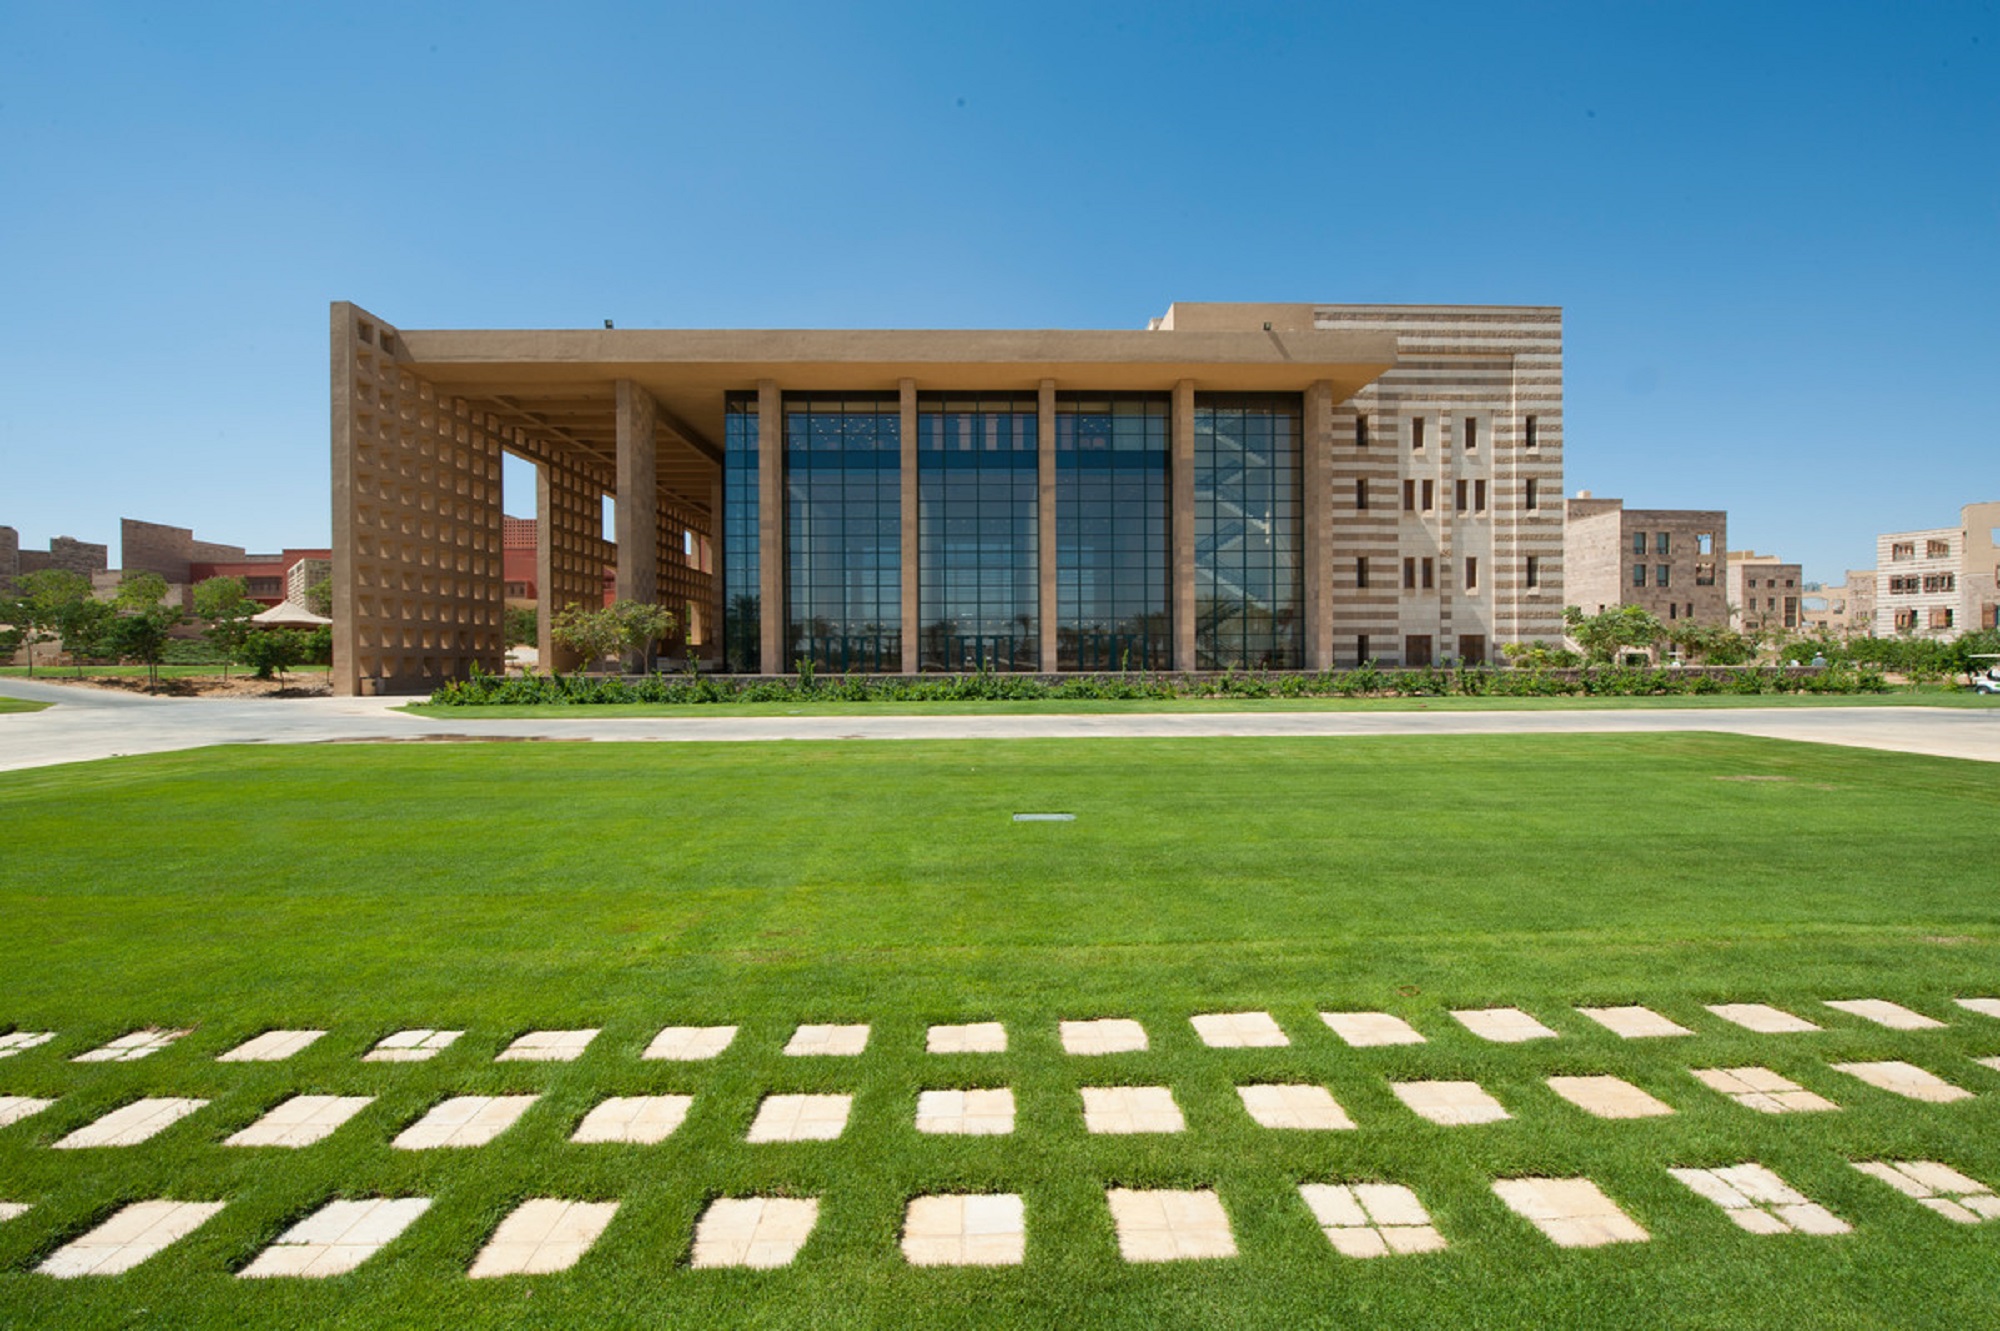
1361 494
1660 575
1430 495
1361 572
1430 573
1409 573
1360 649
1638 575
1409 496
1471 573
1471 433
1479 496
1361 432
1529 433
1534 571
1458 493
1532 499
1662 542
1417 433
1638 543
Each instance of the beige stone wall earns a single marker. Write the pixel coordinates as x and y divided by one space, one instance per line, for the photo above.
1601 542
1763 593
1980 571
1918 581
155 547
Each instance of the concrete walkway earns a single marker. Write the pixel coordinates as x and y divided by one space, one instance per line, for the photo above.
91 723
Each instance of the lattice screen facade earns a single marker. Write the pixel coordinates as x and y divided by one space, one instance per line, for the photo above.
573 552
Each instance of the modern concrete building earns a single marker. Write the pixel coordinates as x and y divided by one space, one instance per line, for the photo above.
1285 485
1763 593
1667 560
1940 582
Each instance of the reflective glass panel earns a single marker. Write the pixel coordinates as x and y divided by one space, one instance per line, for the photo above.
1113 550
742 620
1249 597
843 554
976 532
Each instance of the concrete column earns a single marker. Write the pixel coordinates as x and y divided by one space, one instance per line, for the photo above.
1045 516
637 513
771 526
911 510
1316 545
1182 477
718 595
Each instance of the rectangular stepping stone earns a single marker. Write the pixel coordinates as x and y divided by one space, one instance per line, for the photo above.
1452 1103
464 1120
1164 1225
14 1108
760 1232
336 1238
1634 1023
645 1119
1502 1025
542 1236
800 1118
970 1229
1127 1109
979 1037
1985 1007
1371 1219
17 1042
131 1124
1572 1212
1284 1105
1362 1029
1239 1030
1884 1013
1761 1018
827 1041
131 1047
1993 1063
270 1047
1761 1202
690 1044
13 1210
417 1045
1608 1097
966 1113
548 1047
1905 1079
1943 1189
128 1238
1106 1035
301 1120
1762 1090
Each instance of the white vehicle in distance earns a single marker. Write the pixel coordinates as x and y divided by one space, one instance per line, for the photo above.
1986 679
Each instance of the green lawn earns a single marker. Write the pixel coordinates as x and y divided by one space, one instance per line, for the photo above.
20 705
502 888
58 673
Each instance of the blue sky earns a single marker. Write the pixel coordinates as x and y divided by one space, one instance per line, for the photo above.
1774 228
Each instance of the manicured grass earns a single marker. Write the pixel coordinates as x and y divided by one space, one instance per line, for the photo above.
501 888
20 705
59 673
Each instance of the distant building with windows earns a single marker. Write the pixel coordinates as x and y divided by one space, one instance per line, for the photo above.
1764 593
1669 561
177 556
1940 582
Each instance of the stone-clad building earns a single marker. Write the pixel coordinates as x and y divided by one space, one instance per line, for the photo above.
1666 560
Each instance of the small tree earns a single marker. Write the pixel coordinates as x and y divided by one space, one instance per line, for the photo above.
593 633
523 626
225 605
640 626
1602 636
51 605
142 621
270 652
319 598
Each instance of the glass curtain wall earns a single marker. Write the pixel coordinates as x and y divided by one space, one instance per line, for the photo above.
1114 550
1249 597
742 619
843 550
976 532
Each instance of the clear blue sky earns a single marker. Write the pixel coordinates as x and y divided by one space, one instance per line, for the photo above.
1774 228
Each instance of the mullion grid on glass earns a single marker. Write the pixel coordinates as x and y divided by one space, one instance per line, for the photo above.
843 483
1248 597
976 532
1113 507
742 631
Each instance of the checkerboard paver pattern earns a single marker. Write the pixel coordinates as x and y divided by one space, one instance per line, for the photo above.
548 1047
970 1229
1453 1104
270 1047
1905 1079
1761 1202
541 1236
19 1042
1634 1022
1985 1007
1287 1105
1884 1013
1502 1025
800 1118
1762 1018
690 1044
1131 1109
464 1120
301 1121
1571 1212
979 1037
131 1047
760 1232
1941 1188
1170 1226
14 1108
131 1124
974 1113
337 1238
1608 1097
1103 1035
1371 1219
128 1238
643 1119
417 1045
1762 1090
1239 1030
1365 1029
827 1041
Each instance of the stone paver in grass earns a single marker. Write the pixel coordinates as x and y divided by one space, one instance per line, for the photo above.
1985 1007
270 1047
1761 1202
690 1044
128 1238
464 1120
1608 1097
1906 1079
131 1046
13 1210
1104 1035
1572 1212
1939 1187
1286 1105
979 1037
1762 1090
548 1047
1169 1226
1371 1219
827 1041
336 1238
301 1120
1452 1103
800 1118
541 1236
753 1231
16 1042
417 1045
1502 1025
971 1229
1634 1022
983 1113
1126 1109
14 1108
1761 1018
130 1125
1993 1063
1363 1029
645 1119
1884 1013
1239 1030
